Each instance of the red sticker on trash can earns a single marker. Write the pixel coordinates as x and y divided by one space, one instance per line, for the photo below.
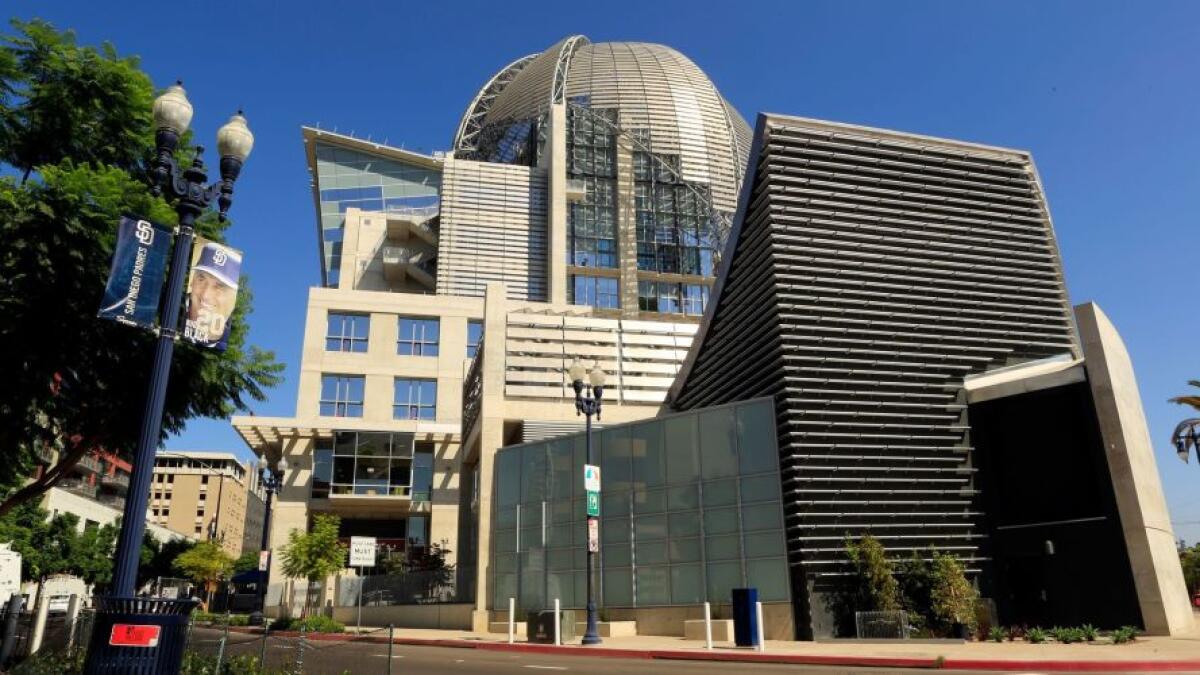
131 635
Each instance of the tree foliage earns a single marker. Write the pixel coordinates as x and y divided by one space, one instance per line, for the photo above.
316 554
76 122
56 546
205 563
1192 400
952 595
1189 559
871 586
246 562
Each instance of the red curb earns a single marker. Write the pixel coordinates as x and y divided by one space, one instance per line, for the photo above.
761 657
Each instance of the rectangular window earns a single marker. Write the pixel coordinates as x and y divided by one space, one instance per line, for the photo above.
342 395
418 337
347 332
598 292
322 472
415 399
695 298
474 335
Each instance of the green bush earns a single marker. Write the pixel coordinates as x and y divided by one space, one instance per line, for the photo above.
1035 636
1124 634
1067 635
313 624
1089 632
221 619
997 634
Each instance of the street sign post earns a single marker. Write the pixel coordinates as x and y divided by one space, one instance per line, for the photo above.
593 504
362 554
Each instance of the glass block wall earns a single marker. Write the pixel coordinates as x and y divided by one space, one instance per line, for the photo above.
690 509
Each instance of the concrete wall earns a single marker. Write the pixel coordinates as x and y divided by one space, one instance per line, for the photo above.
448 617
778 623
1145 520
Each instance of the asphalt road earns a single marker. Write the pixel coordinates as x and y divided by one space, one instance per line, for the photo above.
361 658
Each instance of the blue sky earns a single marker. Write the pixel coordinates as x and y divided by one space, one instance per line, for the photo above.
1103 94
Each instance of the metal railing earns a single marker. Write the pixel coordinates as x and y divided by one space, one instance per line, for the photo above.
472 392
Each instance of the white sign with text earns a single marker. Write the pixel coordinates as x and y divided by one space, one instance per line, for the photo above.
362 551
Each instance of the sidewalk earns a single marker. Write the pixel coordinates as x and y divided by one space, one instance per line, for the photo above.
1145 654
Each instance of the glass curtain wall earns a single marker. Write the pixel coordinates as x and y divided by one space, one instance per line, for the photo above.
372 463
690 509
592 223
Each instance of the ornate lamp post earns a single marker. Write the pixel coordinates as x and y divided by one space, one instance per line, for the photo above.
589 404
123 622
272 481
1186 438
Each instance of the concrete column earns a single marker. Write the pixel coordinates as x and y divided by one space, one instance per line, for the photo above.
491 438
1145 520
556 206
626 230
39 622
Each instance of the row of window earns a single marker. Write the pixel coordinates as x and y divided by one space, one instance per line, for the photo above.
416 336
413 399
653 296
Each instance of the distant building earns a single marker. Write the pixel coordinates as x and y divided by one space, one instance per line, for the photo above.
203 495
255 510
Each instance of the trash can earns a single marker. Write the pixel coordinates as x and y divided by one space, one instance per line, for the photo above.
138 635
745 618
540 626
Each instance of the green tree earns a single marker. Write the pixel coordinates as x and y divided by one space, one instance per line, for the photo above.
871 585
1189 399
953 596
75 125
1189 559
314 555
158 558
246 562
206 563
91 558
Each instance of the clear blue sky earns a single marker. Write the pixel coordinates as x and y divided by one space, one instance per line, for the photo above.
1104 95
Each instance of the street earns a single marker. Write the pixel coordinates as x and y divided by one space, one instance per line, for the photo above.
368 657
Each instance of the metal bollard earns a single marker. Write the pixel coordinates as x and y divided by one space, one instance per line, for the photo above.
300 651
762 642
39 621
72 622
391 644
557 622
262 652
221 647
512 620
707 626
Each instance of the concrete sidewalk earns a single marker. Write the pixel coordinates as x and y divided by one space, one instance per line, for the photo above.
1145 654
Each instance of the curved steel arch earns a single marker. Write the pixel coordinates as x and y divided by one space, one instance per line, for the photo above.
472 120
558 85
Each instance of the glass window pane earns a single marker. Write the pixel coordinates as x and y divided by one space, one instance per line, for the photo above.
617 555
533 475
683 497
650 527
722 547
684 524
683 464
756 438
618 587
684 550
612 503
770 577
649 465
653 587
651 552
720 492
649 501
718 458
720 521
615 464
760 488
762 544
762 517
723 577
686 585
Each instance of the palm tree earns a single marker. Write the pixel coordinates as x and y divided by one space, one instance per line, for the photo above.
1193 401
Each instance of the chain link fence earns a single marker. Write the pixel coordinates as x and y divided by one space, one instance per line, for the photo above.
215 648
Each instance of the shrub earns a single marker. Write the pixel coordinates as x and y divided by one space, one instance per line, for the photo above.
952 594
1089 632
1124 634
1067 635
314 624
996 634
1035 635
871 586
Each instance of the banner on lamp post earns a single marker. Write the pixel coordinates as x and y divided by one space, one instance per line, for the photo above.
135 280
212 293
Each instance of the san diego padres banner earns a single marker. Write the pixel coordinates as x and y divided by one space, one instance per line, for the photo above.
136 279
212 293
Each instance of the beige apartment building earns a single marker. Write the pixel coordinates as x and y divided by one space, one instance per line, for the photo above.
202 495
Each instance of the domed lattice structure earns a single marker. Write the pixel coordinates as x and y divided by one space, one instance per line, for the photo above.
652 94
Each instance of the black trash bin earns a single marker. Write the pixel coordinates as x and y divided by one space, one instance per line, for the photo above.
132 636
540 626
745 617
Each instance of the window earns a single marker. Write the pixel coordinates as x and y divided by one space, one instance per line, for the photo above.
200 512
199 529
474 335
600 292
591 155
347 332
415 399
204 480
363 463
695 298
342 395
322 472
665 296
418 337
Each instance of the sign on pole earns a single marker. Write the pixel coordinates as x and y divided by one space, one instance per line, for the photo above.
593 504
362 551
591 478
593 535
135 280
212 293
264 560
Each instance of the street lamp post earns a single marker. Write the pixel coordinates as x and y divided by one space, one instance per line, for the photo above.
272 481
192 195
1186 438
589 404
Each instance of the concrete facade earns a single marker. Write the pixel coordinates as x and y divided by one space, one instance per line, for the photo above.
202 495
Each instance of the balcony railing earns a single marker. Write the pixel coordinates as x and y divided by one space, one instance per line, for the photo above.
472 392
115 480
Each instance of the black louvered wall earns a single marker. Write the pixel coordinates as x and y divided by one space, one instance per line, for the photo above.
869 273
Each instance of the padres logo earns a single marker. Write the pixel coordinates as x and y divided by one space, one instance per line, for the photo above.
219 257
